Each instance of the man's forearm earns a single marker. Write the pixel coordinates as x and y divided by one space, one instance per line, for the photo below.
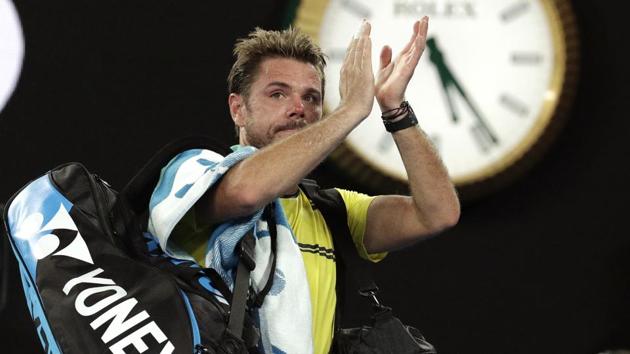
431 189
279 167
287 161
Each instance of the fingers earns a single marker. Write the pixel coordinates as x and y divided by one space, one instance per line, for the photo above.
420 28
423 27
356 72
366 57
356 84
386 57
386 65
354 53
416 26
365 28
350 51
419 34
364 44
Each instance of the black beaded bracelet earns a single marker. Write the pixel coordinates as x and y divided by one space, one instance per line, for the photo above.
396 112
399 118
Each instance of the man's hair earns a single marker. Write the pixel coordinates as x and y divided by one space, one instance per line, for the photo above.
262 44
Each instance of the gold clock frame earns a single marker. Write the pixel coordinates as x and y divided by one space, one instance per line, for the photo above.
559 98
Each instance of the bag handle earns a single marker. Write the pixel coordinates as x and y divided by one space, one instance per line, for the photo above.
140 187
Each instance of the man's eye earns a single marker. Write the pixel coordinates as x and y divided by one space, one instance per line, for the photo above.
311 99
277 95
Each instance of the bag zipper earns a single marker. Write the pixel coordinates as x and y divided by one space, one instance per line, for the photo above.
102 184
96 193
103 216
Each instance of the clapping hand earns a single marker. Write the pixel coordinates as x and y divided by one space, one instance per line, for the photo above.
356 85
393 76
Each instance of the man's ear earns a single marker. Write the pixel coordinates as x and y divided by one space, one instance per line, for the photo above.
237 105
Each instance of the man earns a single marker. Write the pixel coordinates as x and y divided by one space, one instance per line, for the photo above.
276 101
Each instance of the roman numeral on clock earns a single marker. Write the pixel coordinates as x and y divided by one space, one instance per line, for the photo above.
514 11
357 8
525 58
514 105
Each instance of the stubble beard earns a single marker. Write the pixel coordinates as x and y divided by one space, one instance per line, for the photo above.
254 139
267 137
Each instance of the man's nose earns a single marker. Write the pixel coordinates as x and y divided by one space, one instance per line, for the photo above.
297 106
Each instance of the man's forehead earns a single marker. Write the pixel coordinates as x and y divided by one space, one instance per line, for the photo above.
287 70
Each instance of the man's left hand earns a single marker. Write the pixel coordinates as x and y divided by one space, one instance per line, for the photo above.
393 76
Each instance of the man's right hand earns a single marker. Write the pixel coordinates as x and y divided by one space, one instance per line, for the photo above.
356 85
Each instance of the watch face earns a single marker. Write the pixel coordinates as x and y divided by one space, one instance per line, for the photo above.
485 90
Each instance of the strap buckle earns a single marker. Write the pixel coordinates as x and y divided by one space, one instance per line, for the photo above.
246 251
370 291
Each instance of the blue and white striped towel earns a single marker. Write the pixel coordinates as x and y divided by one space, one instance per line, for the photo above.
285 316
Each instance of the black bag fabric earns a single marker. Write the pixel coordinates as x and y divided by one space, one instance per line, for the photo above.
95 284
386 334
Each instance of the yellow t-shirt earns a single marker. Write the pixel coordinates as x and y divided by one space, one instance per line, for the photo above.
316 244
315 241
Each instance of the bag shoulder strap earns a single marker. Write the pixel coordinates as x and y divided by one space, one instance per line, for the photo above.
348 262
140 187
246 264
330 203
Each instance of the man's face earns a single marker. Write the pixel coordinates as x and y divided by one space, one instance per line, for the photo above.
285 96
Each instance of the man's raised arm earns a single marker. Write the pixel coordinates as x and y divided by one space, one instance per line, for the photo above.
433 205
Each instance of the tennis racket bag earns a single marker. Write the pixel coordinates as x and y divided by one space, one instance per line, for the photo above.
95 284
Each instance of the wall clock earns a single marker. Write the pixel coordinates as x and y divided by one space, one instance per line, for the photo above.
491 90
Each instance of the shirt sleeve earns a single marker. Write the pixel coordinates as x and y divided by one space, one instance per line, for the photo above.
192 236
357 205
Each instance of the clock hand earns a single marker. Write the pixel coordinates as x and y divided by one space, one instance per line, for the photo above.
436 58
448 79
475 110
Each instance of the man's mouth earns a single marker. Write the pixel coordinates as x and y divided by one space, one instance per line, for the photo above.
289 127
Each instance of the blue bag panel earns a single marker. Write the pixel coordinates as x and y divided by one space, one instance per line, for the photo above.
206 283
33 214
34 305
193 320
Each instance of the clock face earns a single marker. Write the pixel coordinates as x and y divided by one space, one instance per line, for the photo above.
486 87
